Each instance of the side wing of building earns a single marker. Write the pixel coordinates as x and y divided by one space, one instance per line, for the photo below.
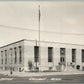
11 56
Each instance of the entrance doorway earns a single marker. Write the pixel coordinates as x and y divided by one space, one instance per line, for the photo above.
62 56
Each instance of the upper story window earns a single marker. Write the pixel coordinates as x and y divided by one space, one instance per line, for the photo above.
15 52
20 54
11 54
50 54
73 55
82 55
36 53
5 56
1 57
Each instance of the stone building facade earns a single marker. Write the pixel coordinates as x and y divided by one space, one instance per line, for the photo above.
26 55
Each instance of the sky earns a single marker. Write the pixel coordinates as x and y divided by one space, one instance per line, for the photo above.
59 21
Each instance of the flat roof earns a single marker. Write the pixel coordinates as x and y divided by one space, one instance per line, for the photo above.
40 41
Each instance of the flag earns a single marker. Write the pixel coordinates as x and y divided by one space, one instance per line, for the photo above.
39 13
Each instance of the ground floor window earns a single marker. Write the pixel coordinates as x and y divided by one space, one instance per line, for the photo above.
78 67
62 59
6 68
83 68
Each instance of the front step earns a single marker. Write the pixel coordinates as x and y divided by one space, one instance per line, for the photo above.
70 68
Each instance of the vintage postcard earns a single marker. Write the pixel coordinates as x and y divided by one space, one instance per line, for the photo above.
42 41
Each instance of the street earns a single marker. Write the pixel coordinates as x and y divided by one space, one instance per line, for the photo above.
43 79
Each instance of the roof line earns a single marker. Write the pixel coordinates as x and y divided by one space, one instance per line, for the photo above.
40 41
56 42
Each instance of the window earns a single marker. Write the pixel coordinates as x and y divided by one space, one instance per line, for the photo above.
11 54
15 51
73 55
83 68
50 54
62 55
20 54
78 67
82 55
36 53
5 56
62 51
1 57
62 59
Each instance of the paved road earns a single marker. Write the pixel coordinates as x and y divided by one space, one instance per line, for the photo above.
55 78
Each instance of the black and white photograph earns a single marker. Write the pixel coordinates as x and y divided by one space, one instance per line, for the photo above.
42 41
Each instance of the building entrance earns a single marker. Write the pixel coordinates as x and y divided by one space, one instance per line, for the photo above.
62 56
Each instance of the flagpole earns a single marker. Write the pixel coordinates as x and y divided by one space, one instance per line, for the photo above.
39 35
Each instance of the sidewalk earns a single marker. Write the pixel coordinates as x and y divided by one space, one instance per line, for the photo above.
32 74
